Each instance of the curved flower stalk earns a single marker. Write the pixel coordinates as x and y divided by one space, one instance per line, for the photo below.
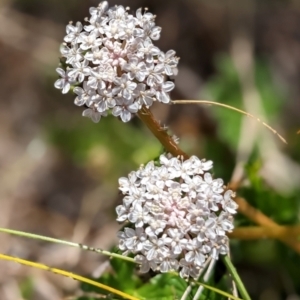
176 215
112 64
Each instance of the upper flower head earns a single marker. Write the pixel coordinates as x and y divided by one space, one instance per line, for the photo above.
177 215
114 53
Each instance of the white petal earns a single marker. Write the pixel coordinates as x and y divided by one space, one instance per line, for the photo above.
133 108
66 88
59 83
78 91
148 101
80 77
168 86
79 101
125 116
126 94
117 111
155 35
87 113
163 97
61 72
96 116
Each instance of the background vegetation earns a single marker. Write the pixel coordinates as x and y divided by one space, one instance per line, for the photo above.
59 171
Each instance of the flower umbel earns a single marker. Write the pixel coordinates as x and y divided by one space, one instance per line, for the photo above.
113 54
177 215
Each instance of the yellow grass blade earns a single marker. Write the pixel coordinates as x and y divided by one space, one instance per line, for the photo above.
217 290
232 108
67 274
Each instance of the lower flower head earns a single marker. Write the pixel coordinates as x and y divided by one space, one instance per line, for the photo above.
176 215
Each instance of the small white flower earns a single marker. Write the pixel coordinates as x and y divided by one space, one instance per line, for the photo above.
80 70
169 62
105 99
144 18
133 239
89 40
73 32
146 50
84 95
124 87
191 184
177 241
194 253
157 223
188 269
64 83
198 210
113 30
129 30
100 10
73 54
99 75
156 249
139 215
122 213
136 68
97 55
168 265
117 12
228 204
146 265
163 90
126 184
143 96
93 114
155 76
125 108
151 31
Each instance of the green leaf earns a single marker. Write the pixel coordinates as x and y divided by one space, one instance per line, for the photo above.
163 286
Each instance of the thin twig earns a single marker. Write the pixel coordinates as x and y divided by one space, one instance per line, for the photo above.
260 232
232 108
259 218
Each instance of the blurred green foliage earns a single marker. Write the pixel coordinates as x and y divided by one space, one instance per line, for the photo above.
116 146
225 87
26 288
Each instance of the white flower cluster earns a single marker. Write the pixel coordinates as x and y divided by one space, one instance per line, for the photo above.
176 215
113 65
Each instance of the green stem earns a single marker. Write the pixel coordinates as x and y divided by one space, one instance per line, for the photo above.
232 270
62 242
